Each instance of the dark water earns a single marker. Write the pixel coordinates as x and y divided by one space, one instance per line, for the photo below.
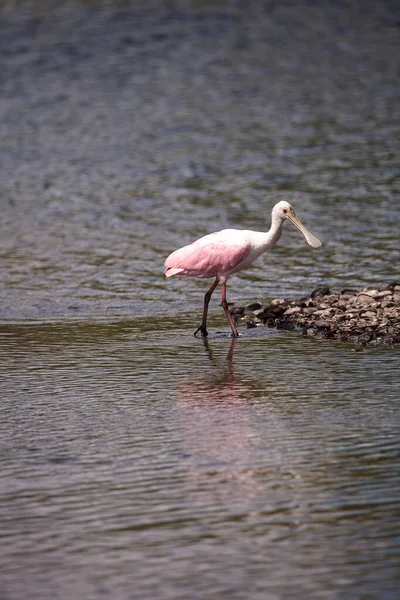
138 462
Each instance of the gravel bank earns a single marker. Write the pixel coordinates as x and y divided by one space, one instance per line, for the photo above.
366 317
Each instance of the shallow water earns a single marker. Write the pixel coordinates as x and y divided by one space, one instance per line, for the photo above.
139 462
146 464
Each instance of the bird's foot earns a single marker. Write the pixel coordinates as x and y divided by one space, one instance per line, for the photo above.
203 331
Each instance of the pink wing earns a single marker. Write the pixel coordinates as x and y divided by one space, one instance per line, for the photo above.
209 256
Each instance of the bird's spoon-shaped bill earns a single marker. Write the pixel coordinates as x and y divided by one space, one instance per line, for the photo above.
311 239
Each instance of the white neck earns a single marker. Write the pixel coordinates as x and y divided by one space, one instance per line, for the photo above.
264 240
275 231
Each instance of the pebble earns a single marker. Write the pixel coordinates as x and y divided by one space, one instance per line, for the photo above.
277 302
365 298
249 308
292 311
321 291
367 317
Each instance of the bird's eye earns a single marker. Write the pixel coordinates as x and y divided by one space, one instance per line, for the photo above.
285 211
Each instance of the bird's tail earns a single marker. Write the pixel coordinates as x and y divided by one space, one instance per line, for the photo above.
173 271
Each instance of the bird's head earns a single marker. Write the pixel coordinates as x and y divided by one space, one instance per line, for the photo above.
283 210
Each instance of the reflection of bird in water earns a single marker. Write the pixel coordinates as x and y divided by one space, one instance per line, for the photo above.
218 426
228 251
221 386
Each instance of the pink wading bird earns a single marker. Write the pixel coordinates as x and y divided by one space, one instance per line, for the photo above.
228 251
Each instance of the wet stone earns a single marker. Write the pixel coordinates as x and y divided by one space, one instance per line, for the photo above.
270 322
285 325
323 305
277 302
252 307
304 301
365 299
349 292
291 311
326 312
391 312
387 302
237 311
270 312
322 324
321 291
342 304
309 310
368 315
364 338
299 303
361 324
339 319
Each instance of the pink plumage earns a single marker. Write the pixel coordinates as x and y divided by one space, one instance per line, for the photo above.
225 252
211 256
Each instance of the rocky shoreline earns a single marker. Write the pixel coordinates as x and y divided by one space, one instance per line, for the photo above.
365 317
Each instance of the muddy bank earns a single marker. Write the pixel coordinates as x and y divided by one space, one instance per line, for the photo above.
366 317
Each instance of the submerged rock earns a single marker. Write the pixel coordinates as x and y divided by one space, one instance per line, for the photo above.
367 317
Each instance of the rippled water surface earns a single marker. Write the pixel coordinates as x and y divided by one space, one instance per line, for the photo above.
146 464
137 461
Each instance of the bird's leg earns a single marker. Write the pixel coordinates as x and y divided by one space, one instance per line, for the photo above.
207 297
224 305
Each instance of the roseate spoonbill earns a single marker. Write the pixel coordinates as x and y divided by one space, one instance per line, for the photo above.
228 251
